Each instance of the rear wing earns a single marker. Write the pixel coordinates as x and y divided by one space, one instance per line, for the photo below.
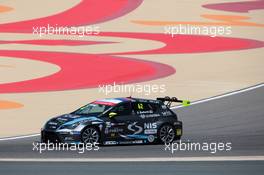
170 100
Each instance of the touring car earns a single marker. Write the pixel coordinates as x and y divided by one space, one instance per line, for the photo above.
115 121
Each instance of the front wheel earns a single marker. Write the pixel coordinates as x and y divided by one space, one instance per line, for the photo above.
166 133
90 135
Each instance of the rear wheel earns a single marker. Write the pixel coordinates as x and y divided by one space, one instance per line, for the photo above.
166 133
90 135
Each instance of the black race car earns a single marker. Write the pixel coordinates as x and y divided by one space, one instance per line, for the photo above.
116 121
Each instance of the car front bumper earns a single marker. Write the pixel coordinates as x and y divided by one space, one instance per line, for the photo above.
60 137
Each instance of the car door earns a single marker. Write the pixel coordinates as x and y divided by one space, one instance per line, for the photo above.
134 124
122 124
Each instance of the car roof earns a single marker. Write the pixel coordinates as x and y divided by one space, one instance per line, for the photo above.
111 101
115 101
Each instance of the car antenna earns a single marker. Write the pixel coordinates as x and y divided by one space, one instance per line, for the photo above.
130 95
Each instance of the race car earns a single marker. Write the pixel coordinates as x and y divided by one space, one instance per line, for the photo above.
114 121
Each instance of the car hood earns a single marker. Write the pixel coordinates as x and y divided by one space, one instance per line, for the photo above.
68 119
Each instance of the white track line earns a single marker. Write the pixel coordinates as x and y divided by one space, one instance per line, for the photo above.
222 96
153 159
174 107
18 137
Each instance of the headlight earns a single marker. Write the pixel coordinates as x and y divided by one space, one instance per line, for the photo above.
72 126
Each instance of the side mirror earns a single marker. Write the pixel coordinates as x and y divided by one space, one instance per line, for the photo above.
112 114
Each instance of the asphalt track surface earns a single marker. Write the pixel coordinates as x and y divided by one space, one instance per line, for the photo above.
238 119
128 168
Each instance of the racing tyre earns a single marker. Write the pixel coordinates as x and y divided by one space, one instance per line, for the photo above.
166 133
90 135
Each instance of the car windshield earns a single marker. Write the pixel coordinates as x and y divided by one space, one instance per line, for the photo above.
92 109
